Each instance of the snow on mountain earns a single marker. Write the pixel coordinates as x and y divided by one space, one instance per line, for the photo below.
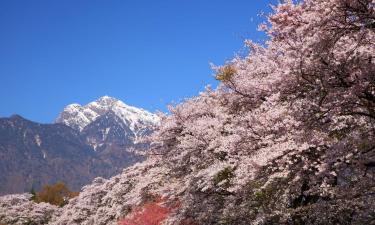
78 117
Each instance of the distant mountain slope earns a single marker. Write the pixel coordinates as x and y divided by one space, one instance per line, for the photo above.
84 143
35 154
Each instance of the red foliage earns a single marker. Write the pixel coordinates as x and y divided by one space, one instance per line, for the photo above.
152 213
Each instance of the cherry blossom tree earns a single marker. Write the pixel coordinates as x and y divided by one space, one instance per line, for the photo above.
328 48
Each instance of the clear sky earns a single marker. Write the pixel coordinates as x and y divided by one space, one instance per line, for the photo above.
147 53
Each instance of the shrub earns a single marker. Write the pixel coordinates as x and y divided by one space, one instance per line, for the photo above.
57 194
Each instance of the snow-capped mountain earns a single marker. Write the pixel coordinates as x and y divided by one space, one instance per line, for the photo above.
78 117
111 128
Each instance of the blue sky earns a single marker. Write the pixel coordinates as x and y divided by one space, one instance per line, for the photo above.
147 53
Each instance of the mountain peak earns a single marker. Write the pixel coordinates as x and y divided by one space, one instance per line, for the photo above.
73 106
107 100
78 117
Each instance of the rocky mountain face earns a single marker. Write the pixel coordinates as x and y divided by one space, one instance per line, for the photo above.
75 149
